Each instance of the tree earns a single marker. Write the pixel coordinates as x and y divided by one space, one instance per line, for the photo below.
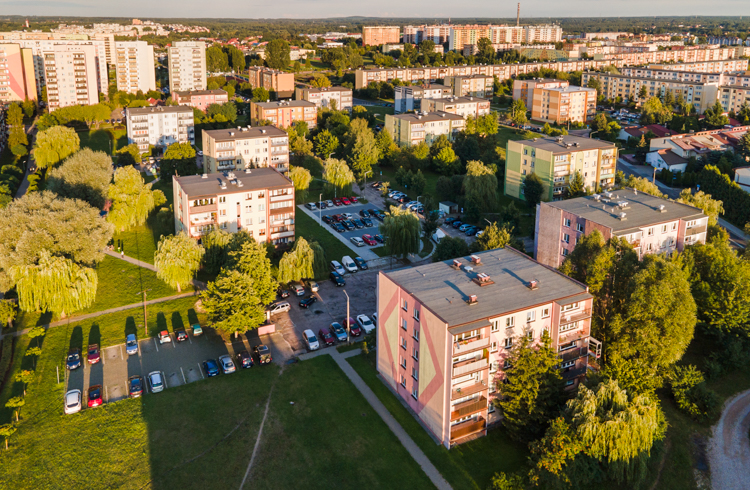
595 84
642 184
703 201
320 82
320 264
576 185
325 143
6 431
132 199
493 237
600 123
518 112
533 189
260 94
24 377
654 112
232 304
84 175
15 404
714 116
297 264
743 115
364 152
129 155
643 92
36 333
402 231
7 313
337 173
277 54
480 184
301 179
446 162
250 259
179 159
450 248
177 259
744 144
54 145
216 245
531 391
16 130
418 183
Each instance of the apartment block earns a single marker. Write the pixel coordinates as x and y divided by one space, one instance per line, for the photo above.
472 85
651 224
201 99
733 96
460 36
563 104
556 160
524 89
160 126
284 113
259 201
716 66
412 129
70 72
439 34
409 98
134 66
245 147
339 98
446 330
17 81
187 66
377 35
462 106
276 81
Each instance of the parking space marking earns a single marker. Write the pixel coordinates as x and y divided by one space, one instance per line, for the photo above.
156 345
121 357
200 370
173 342
165 380
183 376
106 395
189 339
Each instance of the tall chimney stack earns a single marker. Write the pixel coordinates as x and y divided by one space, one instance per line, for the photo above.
518 15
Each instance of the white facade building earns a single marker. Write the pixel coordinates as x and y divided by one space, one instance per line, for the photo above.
160 126
134 64
187 66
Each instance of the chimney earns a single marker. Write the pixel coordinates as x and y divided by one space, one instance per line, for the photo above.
662 208
476 260
533 284
204 176
623 216
473 299
456 264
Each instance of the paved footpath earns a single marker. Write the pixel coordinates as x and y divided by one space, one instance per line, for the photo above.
729 448
146 265
432 473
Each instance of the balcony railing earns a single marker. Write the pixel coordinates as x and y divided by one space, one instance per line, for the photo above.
465 346
468 407
206 208
573 354
574 316
573 372
695 230
469 366
467 428
463 391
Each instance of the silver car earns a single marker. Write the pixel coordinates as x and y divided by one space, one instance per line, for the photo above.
227 366
156 381
73 401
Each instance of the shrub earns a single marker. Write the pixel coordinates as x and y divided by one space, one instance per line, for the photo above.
690 392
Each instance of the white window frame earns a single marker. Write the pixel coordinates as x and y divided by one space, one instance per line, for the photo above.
403 324
508 342
545 312
510 322
493 346
416 314
415 393
403 381
530 316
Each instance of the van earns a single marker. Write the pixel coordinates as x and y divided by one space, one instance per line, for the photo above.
311 340
438 235
298 289
349 264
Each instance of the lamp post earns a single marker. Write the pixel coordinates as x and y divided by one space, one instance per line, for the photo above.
320 209
348 327
145 318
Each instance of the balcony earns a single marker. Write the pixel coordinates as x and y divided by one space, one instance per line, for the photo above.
572 354
574 316
468 407
206 208
465 346
573 372
282 197
469 366
695 230
467 428
282 234
286 210
467 390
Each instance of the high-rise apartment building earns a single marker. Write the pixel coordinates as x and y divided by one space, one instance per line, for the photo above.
409 98
279 82
187 66
446 330
377 35
524 89
563 104
467 34
160 126
17 81
134 66
439 34
412 129
245 147
70 72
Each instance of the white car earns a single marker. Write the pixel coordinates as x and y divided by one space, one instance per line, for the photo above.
337 267
347 215
200 153
73 401
357 241
156 381
311 206
365 324
311 340
349 264
227 366
375 318
479 233
277 308
313 286
329 203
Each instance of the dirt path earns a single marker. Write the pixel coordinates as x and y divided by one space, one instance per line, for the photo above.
729 448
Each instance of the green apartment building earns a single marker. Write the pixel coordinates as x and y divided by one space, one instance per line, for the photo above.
555 160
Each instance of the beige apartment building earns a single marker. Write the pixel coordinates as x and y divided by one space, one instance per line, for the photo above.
259 201
564 104
412 129
409 98
524 89
377 35
727 64
339 98
284 113
460 36
159 126
279 82
733 96
471 86
70 72
245 148
462 106
187 66
134 66
17 80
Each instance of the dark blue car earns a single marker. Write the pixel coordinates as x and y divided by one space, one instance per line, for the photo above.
211 367
73 360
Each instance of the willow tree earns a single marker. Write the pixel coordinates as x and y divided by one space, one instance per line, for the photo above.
320 264
402 231
177 259
7 313
132 199
712 207
54 145
338 174
216 245
85 175
493 237
480 185
232 304
301 179
297 264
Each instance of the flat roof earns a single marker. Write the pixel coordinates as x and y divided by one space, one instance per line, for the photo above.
566 144
570 88
461 100
424 117
284 103
325 89
210 184
137 111
633 77
189 93
244 133
445 290
641 210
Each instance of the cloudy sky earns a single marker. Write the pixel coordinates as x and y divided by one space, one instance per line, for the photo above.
380 8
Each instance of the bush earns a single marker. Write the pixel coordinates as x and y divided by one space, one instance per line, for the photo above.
690 392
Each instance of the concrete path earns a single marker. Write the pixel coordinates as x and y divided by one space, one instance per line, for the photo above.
729 448
146 265
430 470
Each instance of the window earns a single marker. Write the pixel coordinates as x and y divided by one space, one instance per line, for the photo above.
415 353
579 227
493 346
649 247
664 228
571 306
530 334
566 238
416 314
402 361
523 172
416 334
405 306
510 322
248 221
530 316
565 252
650 232
261 207
568 326
403 343
248 209
566 222
495 326
403 381
403 323
545 312
414 393
414 373
491 408
567 364
223 199
506 364
493 367
508 342
567 346
223 212
674 226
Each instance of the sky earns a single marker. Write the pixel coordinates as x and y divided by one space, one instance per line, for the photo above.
305 9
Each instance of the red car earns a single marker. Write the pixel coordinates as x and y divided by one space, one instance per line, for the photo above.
354 328
337 218
326 336
95 396
369 240
345 201
353 199
94 355
337 202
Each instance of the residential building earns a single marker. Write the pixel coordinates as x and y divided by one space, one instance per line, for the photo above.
651 224
732 97
439 34
284 113
339 98
70 72
742 178
238 149
201 99
697 144
412 129
666 159
259 201
275 81
556 160
377 35
460 36
409 98
462 106
159 126
187 66
472 85
657 130
445 332
17 81
134 66
524 89
716 66
542 34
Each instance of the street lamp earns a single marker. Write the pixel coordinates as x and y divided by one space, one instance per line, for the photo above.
145 318
348 327
320 209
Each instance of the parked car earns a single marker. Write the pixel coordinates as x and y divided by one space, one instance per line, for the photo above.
263 353
164 337
311 340
364 213
299 289
329 203
326 336
277 308
358 223
349 264
311 206
354 199
339 331
92 354
131 344
365 323
354 328
369 240
307 302
464 227
345 201
367 222
73 401
357 241
74 359
346 216
197 329
244 359
375 318
337 267
471 231
337 279
135 386
339 227
337 202
181 335
456 224
313 286
348 225
156 381
327 220
211 367
322 205
360 263
284 293
403 199
227 366
450 219
479 233
379 238
95 396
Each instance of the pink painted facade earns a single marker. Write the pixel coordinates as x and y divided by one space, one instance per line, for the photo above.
201 99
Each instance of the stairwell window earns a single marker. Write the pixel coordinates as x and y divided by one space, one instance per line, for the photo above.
403 343
493 346
415 336
402 361
416 314
403 323
414 373
414 394
415 353
403 381
405 306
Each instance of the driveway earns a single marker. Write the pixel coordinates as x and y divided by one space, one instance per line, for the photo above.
729 449
345 237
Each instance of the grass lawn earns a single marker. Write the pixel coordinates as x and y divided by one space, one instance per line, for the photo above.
379 112
305 226
139 242
468 466
381 251
96 139
426 247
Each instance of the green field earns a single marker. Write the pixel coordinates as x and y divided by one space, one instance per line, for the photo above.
379 112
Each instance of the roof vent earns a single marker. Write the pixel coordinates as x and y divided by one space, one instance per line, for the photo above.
239 183
635 191
262 131
204 176
622 204
662 208
533 284
223 185
231 133
623 216
596 197
473 299
482 280
247 170
456 264
476 260
468 268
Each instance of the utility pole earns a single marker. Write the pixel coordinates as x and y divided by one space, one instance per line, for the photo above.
145 317
348 327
